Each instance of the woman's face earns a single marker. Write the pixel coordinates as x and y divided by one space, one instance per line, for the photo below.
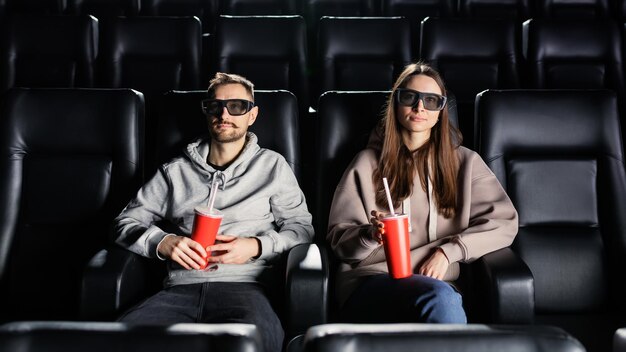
417 119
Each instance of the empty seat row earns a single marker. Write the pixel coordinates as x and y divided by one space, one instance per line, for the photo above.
206 9
155 55
96 337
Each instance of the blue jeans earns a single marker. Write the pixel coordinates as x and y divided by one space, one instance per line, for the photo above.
415 299
212 302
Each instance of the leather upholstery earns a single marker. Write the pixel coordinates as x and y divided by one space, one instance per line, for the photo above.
511 9
580 9
362 53
432 337
181 120
104 8
619 340
573 54
559 156
268 50
152 55
256 7
206 10
71 160
48 51
472 55
40 7
57 336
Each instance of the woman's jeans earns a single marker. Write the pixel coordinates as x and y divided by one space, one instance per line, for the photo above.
212 302
417 298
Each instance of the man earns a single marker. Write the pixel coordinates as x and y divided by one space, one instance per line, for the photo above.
264 215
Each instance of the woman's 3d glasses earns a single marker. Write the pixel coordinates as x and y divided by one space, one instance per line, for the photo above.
410 97
235 107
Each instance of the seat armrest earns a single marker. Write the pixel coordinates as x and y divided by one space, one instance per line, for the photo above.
114 280
306 287
502 288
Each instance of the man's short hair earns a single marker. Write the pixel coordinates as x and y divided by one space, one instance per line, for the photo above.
222 78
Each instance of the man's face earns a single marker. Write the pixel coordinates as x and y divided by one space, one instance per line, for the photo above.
227 128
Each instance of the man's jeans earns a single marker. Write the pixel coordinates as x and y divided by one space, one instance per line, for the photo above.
417 298
212 302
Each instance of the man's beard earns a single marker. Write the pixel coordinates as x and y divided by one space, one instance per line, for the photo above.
223 136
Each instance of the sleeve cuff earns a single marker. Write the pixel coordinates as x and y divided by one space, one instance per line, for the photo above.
158 255
155 237
267 246
453 251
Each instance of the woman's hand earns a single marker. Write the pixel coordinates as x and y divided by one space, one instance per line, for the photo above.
436 265
378 228
234 250
183 250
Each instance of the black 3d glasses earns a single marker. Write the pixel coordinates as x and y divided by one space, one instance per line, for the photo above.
410 97
235 107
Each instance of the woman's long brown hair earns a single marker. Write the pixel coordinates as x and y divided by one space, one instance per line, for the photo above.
398 164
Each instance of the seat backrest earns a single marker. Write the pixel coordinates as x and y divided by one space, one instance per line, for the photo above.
39 7
558 154
181 121
70 161
345 122
103 8
571 54
206 10
48 51
57 336
472 55
362 53
507 9
579 9
268 50
256 7
436 337
152 55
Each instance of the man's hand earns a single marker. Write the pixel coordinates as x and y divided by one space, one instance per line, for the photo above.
435 266
234 250
184 251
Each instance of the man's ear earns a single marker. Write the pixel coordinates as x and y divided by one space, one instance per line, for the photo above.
253 114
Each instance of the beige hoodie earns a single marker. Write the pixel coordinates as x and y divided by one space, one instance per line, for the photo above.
485 220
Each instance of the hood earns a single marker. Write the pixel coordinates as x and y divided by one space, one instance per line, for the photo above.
198 150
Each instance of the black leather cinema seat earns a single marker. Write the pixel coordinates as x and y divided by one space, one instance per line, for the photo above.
431 337
206 10
61 336
36 7
260 7
473 55
48 51
152 55
117 279
504 9
580 9
70 159
104 8
268 50
362 54
559 156
497 288
574 54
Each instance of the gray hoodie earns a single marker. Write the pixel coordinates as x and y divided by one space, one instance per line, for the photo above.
258 195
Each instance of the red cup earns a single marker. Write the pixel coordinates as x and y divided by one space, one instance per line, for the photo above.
397 246
205 226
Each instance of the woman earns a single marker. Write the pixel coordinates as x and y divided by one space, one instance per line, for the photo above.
416 149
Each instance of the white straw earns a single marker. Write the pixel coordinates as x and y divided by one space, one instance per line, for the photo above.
212 195
388 196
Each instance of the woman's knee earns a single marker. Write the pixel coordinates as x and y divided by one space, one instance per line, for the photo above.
442 304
